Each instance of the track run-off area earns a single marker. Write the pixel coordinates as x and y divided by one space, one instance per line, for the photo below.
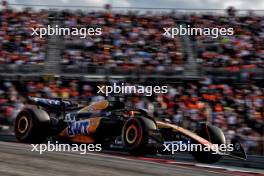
18 159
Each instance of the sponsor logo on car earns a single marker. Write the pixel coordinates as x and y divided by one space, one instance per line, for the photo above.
80 127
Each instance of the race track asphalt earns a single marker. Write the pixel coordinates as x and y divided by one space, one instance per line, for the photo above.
18 159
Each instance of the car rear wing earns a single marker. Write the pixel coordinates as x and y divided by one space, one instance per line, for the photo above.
57 104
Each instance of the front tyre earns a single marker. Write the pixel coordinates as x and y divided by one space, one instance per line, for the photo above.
215 136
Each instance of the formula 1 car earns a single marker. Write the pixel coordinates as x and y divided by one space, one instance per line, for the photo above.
109 123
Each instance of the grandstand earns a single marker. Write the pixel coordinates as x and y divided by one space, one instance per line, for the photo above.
220 80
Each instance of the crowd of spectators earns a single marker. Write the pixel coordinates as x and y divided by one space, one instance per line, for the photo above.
134 40
242 50
236 109
128 41
17 45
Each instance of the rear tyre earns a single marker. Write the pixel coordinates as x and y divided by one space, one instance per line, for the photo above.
31 126
215 136
135 137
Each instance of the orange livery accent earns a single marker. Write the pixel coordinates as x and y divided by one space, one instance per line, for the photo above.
81 128
82 139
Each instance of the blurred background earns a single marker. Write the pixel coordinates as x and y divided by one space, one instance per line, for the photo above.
219 80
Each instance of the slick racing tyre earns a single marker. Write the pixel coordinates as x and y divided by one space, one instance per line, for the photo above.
135 137
31 126
215 136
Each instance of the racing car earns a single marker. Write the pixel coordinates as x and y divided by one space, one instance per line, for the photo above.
112 125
